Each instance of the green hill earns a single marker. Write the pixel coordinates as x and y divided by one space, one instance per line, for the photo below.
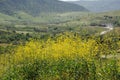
100 5
35 7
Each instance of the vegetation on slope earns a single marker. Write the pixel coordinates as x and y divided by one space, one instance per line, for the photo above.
37 48
35 7
67 56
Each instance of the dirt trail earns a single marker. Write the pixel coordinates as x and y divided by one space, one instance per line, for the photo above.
109 28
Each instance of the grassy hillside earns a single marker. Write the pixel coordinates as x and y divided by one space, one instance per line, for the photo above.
84 23
35 7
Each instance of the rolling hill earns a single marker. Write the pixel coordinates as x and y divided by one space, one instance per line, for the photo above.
100 5
35 7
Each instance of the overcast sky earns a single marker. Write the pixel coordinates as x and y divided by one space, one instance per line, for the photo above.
78 0
69 0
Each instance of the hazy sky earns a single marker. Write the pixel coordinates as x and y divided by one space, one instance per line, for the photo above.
69 0
78 0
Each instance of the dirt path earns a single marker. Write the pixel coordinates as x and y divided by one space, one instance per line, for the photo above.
109 28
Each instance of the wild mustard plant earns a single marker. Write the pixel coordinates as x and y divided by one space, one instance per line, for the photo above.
66 57
68 47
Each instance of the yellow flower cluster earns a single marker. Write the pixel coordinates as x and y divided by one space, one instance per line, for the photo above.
67 46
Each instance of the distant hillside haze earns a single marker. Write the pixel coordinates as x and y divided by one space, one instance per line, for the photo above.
100 5
35 7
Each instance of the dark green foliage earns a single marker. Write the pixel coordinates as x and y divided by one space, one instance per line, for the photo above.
6 49
110 70
65 69
117 23
26 71
14 38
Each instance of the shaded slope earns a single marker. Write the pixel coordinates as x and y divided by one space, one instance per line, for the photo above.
35 7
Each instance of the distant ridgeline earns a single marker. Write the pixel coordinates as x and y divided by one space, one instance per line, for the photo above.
35 7
100 5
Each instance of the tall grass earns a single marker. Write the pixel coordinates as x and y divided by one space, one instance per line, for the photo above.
66 57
